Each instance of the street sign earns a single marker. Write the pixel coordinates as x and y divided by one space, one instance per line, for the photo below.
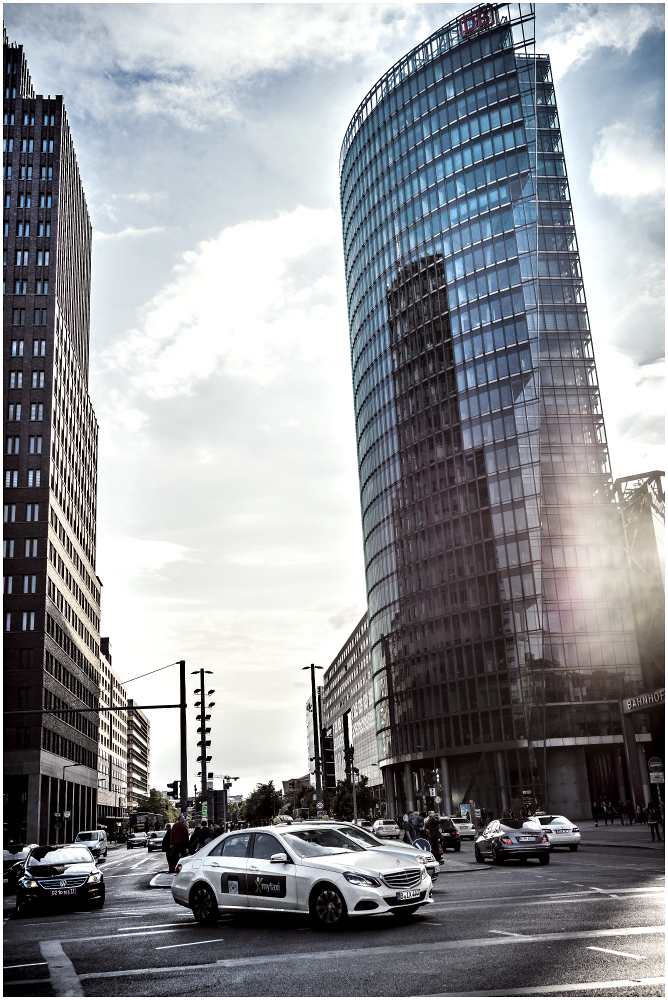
66 815
320 805
527 791
655 764
432 792
438 800
205 810
656 778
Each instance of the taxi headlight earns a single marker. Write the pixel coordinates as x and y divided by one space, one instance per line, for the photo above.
357 879
96 877
28 883
426 858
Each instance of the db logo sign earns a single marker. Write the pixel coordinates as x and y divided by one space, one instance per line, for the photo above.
477 20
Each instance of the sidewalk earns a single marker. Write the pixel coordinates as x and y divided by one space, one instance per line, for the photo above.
615 835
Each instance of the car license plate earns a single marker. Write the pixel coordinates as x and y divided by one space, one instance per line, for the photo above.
408 894
562 831
531 840
63 892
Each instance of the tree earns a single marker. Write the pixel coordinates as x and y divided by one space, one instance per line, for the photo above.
262 804
156 802
341 803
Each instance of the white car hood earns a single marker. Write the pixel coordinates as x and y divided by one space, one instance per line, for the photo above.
373 862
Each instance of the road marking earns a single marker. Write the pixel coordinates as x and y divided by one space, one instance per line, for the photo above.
189 944
365 953
509 933
64 980
551 898
23 965
180 923
609 951
559 988
121 937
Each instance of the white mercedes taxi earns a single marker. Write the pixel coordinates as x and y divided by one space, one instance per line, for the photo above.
308 869
560 831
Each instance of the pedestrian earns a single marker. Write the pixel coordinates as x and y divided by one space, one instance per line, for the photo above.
604 811
408 828
204 834
642 818
165 846
595 812
194 844
178 842
621 809
653 820
433 831
416 825
611 813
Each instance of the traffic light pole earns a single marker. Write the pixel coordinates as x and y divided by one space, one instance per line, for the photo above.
316 740
184 745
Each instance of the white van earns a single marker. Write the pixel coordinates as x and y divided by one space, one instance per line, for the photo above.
95 841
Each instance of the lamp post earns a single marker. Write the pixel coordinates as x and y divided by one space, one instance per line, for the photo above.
316 741
65 766
203 731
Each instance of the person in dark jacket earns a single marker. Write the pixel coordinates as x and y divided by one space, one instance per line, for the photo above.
178 841
432 828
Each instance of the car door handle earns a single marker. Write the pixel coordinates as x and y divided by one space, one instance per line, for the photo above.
254 868
215 864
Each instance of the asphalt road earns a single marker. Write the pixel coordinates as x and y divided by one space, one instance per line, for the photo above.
589 924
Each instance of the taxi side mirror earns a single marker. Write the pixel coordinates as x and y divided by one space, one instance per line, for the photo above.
279 859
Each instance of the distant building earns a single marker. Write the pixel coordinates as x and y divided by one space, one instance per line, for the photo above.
51 621
139 755
347 704
112 751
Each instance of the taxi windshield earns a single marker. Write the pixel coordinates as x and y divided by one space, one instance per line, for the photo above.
313 843
359 836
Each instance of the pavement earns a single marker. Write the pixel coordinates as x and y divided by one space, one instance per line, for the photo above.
636 836
589 924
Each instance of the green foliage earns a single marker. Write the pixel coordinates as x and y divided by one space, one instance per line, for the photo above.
341 799
156 802
262 804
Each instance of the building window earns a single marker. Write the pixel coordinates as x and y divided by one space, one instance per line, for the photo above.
42 287
18 315
22 256
40 316
11 478
8 548
30 584
17 349
35 445
31 548
28 621
37 411
34 477
7 584
20 287
9 512
22 229
38 380
13 445
42 258
44 201
32 512
8 622
44 228
14 411
38 348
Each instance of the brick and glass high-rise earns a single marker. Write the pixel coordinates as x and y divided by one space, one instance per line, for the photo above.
51 590
500 623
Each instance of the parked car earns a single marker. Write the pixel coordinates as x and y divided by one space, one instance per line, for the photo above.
513 838
387 828
13 857
154 840
136 839
560 831
310 869
466 828
366 824
94 840
61 873
398 849
450 837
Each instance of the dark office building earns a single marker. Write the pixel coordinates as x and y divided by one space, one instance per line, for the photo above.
500 624
51 591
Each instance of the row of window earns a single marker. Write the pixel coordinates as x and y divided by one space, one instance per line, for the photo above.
23 621
36 411
38 349
60 746
23 260
21 286
32 514
28 117
24 200
16 380
34 477
29 584
25 173
34 445
26 145
23 228
68 680
29 547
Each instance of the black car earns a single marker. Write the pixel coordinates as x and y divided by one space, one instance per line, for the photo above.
449 836
59 873
12 857
513 838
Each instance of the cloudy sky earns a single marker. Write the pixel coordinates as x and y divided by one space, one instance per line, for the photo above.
208 138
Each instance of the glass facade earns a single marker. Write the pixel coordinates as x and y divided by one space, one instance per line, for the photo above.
500 627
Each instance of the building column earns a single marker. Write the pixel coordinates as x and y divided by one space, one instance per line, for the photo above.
502 779
644 774
409 789
390 801
619 774
635 761
33 808
444 768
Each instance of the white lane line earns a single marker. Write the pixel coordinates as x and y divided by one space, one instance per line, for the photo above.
175 923
604 898
347 954
64 980
559 988
23 965
142 861
121 937
508 933
189 944
623 954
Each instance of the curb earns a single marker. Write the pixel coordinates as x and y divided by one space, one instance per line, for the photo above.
153 884
610 843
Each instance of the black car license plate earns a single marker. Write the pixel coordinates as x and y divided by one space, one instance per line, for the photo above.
408 894
63 892
530 840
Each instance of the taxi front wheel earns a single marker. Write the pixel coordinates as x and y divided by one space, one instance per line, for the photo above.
203 905
328 908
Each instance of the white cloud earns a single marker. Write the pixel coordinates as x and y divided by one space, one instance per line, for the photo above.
627 164
137 556
250 300
130 231
580 29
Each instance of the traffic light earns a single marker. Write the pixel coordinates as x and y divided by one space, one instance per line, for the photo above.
349 757
328 765
173 790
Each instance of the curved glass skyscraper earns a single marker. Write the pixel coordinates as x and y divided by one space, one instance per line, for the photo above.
500 626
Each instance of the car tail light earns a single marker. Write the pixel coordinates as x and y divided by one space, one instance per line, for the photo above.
455 833
178 868
506 840
548 831
576 829
545 840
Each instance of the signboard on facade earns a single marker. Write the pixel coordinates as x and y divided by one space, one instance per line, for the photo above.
655 764
651 699
656 778
478 20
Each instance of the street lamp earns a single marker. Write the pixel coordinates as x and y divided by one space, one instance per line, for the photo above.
316 741
65 766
